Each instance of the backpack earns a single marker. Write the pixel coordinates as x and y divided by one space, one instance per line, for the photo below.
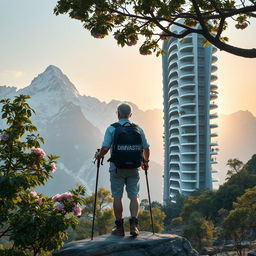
127 149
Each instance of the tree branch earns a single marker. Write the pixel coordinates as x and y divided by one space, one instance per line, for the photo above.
227 13
248 53
215 6
169 33
5 232
220 29
154 19
200 17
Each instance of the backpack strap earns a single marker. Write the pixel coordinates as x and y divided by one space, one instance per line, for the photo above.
127 123
116 125
119 125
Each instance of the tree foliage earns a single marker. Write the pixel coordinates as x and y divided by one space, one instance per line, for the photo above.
251 165
235 167
145 220
144 204
152 19
202 201
231 207
104 215
212 204
241 221
235 186
173 209
177 222
35 224
199 231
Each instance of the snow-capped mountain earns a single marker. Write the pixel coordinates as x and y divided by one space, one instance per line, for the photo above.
54 82
73 126
5 91
50 91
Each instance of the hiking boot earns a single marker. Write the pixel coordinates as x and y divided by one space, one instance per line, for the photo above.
134 231
118 229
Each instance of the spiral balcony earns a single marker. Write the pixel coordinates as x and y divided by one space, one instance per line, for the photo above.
214 68
213 115
214 59
188 67
213 87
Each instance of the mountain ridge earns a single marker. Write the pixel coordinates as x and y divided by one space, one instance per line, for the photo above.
236 139
73 126
96 115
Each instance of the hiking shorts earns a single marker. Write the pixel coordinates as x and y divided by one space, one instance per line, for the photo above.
125 177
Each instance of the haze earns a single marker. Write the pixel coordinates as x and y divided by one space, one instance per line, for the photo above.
32 38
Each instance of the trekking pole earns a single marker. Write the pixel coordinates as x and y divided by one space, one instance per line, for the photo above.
96 190
149 200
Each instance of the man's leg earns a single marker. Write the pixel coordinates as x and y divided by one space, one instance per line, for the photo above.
132 188
134 206
117 185
119 222
118 208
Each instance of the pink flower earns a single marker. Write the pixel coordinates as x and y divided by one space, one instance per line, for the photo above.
77 211
38 151
131 43
53 167
117 36
241 26
146 53
98 35
59 206
34 194
56 198
68 196
164 36
40 200
65 196
4 136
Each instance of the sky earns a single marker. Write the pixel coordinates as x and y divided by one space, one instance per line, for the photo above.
32 38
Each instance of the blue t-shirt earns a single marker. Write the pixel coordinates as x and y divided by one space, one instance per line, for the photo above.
109 138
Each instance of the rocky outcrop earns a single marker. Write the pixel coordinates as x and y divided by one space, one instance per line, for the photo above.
144 245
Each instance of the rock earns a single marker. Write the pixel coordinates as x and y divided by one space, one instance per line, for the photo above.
229 247
251 253
209 250
145 244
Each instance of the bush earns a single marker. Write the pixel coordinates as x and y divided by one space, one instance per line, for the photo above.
145 220
35 224
199 231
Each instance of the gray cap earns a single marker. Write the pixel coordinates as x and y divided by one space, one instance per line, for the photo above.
124 110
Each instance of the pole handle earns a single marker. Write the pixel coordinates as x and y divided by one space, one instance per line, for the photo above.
99 161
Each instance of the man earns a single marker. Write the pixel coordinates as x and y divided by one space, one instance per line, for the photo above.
129 177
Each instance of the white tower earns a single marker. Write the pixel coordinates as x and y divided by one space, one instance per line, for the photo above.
190 95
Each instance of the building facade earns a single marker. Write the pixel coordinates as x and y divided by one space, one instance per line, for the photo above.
190 94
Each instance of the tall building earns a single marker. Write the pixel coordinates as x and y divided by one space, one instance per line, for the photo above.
190 93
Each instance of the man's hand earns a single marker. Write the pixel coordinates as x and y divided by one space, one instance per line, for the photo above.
97 155
145 166
146 154
103 151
